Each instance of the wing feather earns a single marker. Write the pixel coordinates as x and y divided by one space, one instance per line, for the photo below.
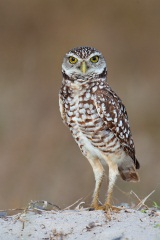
111 109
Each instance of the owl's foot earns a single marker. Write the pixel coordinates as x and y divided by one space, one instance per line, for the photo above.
106 207
95 206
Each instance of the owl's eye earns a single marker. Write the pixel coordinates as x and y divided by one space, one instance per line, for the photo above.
73 60
94 59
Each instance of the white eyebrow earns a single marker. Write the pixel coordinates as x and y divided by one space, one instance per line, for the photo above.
94 54
72 55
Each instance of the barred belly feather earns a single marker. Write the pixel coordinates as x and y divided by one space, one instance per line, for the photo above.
88 129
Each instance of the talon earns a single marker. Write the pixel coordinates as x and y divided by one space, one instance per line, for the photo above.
96 207
91 209
109 207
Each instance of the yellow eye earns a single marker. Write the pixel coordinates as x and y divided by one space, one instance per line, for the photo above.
73 60
94 59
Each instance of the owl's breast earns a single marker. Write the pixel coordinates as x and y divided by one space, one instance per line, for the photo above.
88 129
82 116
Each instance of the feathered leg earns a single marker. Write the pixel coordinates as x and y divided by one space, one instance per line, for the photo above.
98 173
113 173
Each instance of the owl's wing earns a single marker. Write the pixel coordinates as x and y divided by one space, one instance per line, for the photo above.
111 109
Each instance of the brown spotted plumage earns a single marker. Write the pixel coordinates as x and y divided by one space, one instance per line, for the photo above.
97 118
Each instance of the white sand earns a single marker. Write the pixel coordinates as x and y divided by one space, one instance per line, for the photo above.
81 224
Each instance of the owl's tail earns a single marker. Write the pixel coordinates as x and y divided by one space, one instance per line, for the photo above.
127 170
129 174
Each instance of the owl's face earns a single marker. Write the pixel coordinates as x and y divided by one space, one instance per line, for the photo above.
83 63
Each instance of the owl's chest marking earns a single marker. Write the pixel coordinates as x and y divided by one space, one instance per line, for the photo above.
82 119
88 129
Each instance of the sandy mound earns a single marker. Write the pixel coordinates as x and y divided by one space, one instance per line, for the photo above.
81 224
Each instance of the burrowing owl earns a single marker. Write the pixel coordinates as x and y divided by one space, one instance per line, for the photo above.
97 119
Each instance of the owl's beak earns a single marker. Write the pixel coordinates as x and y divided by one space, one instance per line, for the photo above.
83 67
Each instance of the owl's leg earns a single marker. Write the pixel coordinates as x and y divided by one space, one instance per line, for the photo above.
98 174
113 173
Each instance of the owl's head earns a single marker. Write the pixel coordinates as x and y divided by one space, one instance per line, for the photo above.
83 63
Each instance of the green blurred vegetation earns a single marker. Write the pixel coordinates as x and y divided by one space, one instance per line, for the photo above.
38 157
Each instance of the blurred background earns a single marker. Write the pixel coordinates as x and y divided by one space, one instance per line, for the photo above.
39 160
